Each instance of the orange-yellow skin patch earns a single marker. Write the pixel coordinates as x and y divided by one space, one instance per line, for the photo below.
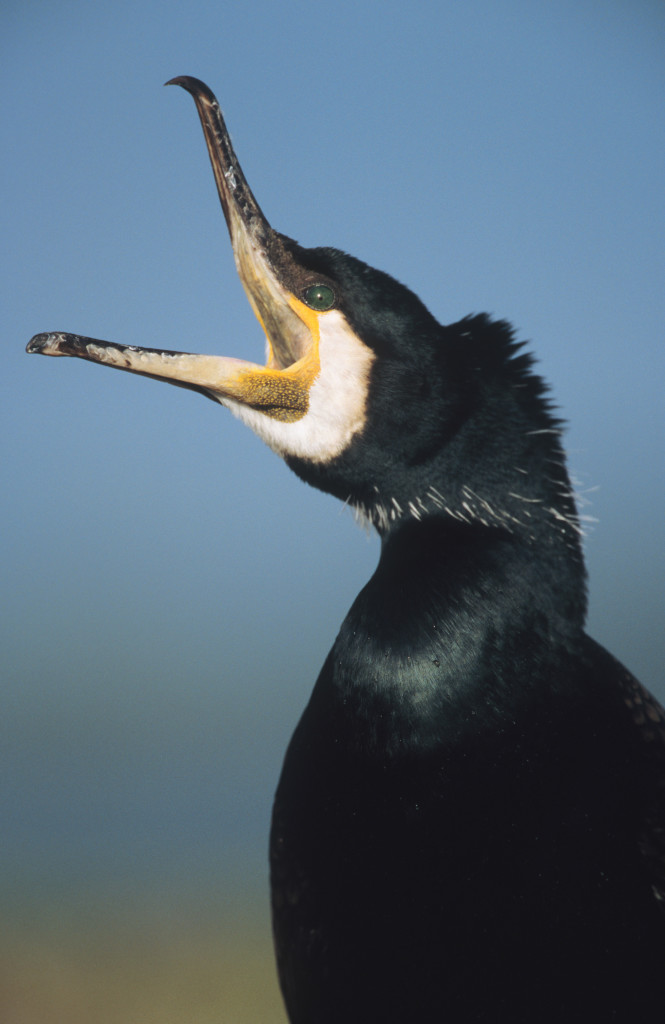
282 394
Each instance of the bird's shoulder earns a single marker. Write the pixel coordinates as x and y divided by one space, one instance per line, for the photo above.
642 720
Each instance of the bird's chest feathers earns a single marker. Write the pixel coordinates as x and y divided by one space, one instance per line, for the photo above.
446 642
409 666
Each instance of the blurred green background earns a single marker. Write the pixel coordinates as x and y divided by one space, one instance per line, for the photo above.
114 957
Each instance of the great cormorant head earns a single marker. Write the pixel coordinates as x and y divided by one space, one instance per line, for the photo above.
362 389
308 399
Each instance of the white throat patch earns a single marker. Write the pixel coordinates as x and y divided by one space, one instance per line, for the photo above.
337 399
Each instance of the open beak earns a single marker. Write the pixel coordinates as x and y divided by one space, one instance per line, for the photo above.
270 275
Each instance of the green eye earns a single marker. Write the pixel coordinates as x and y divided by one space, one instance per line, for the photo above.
319 296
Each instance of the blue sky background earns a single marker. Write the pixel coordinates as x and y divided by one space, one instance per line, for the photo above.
171 589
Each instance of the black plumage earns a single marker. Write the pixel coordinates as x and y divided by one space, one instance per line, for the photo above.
470 821
466 824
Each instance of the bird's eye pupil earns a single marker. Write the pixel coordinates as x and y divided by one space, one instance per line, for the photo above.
319 296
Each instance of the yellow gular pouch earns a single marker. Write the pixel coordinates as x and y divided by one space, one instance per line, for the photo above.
276 393
283 394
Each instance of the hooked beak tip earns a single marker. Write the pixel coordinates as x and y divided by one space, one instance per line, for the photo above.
192 85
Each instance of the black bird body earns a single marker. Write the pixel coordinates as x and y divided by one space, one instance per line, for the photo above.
457 838
456 833
470 821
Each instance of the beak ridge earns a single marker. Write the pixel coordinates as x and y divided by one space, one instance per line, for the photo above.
237 199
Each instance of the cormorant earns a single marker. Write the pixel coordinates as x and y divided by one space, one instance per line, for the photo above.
470 821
